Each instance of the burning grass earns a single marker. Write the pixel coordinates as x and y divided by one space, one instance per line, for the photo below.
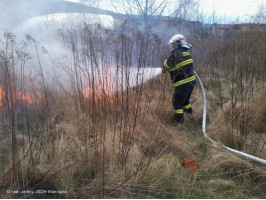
25 97
108 157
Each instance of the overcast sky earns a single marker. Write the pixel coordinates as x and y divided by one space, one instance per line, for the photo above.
231 8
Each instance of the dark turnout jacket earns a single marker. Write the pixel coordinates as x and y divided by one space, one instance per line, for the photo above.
180 66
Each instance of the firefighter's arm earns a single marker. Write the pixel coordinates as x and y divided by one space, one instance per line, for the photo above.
168 63
165 67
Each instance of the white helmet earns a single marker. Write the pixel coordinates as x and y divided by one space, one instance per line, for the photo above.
180 40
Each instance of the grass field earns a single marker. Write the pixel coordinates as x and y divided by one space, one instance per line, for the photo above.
73 142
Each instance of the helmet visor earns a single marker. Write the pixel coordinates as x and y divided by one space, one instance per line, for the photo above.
186 45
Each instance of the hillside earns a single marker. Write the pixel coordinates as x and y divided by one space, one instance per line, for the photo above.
90 143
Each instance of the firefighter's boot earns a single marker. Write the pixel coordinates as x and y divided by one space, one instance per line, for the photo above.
188 109
179 117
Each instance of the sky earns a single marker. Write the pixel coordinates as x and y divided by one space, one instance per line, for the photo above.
231 8
228 9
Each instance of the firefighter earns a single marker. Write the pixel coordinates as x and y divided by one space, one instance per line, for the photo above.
180 66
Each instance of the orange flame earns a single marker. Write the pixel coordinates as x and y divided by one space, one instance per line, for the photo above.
101 93
27 97
2 94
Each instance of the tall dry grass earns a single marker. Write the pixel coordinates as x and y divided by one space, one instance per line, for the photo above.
98 138
234 69
95 136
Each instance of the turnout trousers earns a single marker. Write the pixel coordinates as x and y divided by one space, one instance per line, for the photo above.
181 102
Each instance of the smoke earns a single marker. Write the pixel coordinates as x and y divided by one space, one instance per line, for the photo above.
15 12
41 20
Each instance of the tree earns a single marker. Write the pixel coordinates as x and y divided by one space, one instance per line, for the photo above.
260 17
147 9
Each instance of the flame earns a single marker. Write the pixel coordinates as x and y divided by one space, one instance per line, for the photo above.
101 93
2 94
27 97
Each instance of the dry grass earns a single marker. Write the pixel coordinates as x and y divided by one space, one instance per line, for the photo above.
124 145
240 127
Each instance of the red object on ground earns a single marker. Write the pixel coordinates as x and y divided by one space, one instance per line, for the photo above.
190 164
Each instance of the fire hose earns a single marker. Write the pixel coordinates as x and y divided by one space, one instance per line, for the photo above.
240 153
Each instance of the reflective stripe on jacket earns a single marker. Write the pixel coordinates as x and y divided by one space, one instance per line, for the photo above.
180 66
184 81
